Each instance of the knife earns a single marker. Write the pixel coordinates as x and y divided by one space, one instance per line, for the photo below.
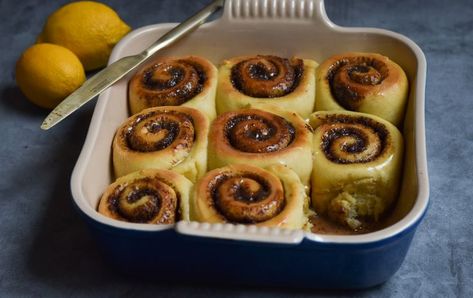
117 70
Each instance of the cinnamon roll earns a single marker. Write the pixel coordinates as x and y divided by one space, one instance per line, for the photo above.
357 165
189 81
362 82
245 194
147 196
261 138
263 81
162 138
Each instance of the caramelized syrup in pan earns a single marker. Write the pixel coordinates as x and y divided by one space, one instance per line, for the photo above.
322 225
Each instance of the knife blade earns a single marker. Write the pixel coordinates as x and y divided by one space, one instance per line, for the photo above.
117 70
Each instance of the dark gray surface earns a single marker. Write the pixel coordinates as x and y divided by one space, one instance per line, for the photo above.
46 250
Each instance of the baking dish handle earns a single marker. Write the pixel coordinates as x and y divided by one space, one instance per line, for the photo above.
240 232
275 10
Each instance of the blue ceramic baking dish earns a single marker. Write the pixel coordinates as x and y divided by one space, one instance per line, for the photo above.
190 251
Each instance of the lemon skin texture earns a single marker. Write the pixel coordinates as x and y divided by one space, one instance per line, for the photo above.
89 29
48 73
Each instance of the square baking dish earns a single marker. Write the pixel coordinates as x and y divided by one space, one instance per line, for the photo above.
191 251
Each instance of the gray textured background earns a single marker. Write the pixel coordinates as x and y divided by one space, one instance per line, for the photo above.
46 250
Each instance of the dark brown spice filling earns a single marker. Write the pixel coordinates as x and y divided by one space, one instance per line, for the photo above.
158 204
170 126
258 134
144 212
121 202
267 76
364 74
357 146
174 77
244 198
359 138
174 82
242 191
345 73
172 129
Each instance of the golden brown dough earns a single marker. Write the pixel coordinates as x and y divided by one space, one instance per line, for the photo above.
148 196
162 138
188 81
245 194
260 138
362 82
357 166
266 81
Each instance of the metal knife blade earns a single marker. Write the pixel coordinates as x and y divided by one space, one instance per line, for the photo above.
117 70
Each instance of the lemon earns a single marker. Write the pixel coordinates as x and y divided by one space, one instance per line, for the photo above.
47 73
89 29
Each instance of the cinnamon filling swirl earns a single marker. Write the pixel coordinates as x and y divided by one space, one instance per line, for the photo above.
267 76
247 197
351 78
145 201
158 130
354 140
259 132
173 82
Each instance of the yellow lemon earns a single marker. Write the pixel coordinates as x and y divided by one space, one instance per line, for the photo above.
89 29
47 73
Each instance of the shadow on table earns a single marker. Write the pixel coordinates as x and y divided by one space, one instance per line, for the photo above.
62 250
14 100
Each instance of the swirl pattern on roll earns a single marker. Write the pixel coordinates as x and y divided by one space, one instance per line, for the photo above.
362 82
247 197
171 83
354 140
157 130
189 81
162 137
356 166
267 76
261 138
263 81
148 196
145 201
351 77
256 131
245 194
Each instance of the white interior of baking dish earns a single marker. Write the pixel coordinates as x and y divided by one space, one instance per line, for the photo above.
281 27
